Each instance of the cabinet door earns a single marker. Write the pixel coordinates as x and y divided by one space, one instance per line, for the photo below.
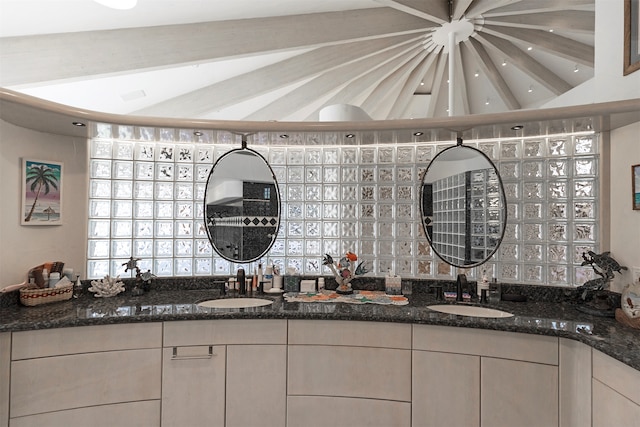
517 393
193 382
5 352
256 385
445 390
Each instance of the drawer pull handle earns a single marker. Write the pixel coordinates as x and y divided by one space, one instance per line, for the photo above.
202 356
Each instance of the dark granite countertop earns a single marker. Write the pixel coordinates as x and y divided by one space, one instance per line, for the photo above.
553 318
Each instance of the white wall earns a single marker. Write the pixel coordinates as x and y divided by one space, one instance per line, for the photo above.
23 247
608 83
625 222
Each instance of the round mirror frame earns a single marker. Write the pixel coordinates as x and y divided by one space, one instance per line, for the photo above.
468 230
209 226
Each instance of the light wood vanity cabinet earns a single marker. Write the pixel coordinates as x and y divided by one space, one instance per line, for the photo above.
240 382
102 375
5 372
349 373
477 377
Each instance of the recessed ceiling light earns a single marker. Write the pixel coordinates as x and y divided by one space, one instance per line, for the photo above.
418 133
197 133
350 135
517 127
551 30
486 102
476 74
530 89
530 48
421 83
284 136
118 4
576 69
79 124
504 62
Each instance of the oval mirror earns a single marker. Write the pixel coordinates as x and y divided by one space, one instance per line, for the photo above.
463 206
242 206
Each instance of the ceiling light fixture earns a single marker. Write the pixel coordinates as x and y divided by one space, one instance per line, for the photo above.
575 70
530 89
487 102
530 48
284 136
418 133
476 74
551 30
421 83
504 62
350 135
79 124
197 133
118 4
517 127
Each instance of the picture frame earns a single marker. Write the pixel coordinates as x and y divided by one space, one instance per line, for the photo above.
41 192
635 187
631 36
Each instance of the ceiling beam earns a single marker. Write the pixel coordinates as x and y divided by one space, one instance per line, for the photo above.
329 81
566 20
68 56
489 69
437 83
546 41
480 7
535 6
435 11
406 93
525 63
271 77
460 87
460 7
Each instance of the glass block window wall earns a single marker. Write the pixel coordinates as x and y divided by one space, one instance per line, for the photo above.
147 189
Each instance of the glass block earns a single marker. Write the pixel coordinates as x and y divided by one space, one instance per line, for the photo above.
144 170
183 267
331 229
367 193
557 254
424 154
295 174
198 210
513 211
386 193
405 155
101 149
533 190
99 208
103 130
382 266
122 208
443 269
183 247
533 170
385 211
142 228
532 253
184 191
368 248
163 228
122 189
405 174
331 210
557 232
164 190
424 267
331 155
331 246
557 210
368 156
294 229
585 167
203 247
164 171
121 248
313 210
386 155
277 156
367 174
349 174
385 230
295 156
202 172
557 189
532 232
584 145
534 148
100 189
295 263
98 248
583 275
404 229
184 210
510 171
385 174
349 156
314 156
533 273
313 193
183 228
144 152
123 170
164 210
509 150
558 274
349 230
349 193
404 267
584 232
312 266
331 192
349 211
204 154
185 153
580 250
313 247
533 211
163 267
203 267
143 209
584 210
404 248
490 149
558 169
512 190
584 188
313 174
405 192
424 249
185 172
331 174
367 230
557 147
509 252
121 228
97 269
404 211
101 169
509 271
163 248
295 193
167 134
294 210
367 211
200 229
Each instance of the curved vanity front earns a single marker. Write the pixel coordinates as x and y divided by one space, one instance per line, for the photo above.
161 359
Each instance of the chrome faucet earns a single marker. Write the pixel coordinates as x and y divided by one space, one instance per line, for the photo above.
461 285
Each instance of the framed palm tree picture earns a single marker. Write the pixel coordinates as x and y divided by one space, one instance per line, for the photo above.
42 192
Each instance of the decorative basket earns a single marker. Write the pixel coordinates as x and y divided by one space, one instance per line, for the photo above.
31 297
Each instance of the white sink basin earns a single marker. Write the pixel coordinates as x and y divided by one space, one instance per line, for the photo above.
469 310
235 303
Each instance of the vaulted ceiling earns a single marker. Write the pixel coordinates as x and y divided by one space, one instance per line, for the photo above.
286 60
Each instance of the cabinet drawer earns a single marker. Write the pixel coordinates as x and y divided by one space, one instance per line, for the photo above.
235 331
133 414
376 373
80 380
505 345
318 411
350 333
85 339
620 377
